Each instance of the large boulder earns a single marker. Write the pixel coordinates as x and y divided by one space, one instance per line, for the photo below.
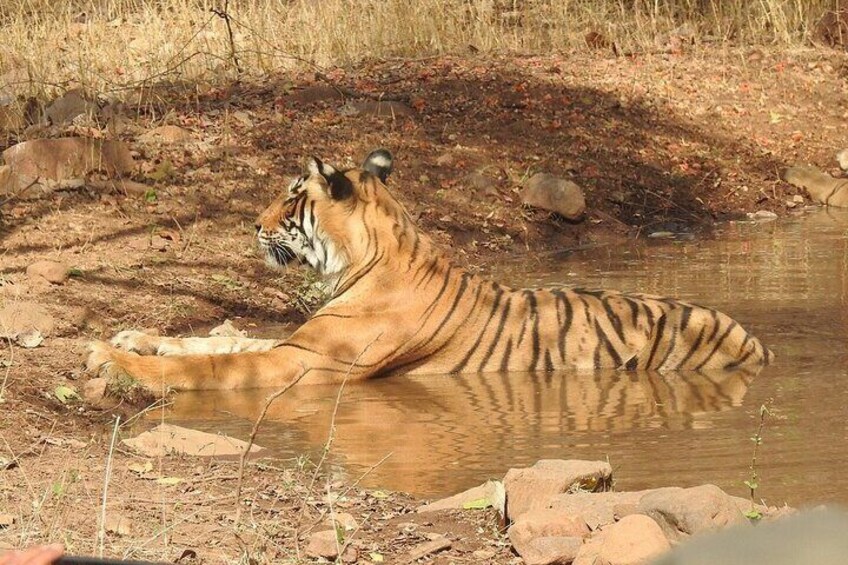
547 536
842 159
167 439
596 508
634 540
682 512
532 487
554 194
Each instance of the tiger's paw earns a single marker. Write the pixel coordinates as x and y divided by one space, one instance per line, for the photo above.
137 342
106 364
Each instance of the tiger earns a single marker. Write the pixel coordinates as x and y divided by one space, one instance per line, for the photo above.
397 304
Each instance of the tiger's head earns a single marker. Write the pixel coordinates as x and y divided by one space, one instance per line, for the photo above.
326 217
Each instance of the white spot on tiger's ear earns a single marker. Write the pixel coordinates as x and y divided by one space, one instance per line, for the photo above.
316 167
379 163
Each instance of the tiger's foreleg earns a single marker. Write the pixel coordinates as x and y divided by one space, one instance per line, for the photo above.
145 344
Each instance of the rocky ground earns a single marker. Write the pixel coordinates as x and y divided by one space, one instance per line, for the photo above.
148 224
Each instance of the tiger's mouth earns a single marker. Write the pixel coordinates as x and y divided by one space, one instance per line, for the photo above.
279 255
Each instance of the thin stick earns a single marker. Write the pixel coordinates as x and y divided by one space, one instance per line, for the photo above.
252 438
225 15
101 534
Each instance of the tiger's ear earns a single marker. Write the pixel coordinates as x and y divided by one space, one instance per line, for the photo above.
339 186
379 163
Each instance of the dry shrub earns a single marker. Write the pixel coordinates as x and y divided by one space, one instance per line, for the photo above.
110 45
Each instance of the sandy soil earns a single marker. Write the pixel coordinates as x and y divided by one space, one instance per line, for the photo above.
660 143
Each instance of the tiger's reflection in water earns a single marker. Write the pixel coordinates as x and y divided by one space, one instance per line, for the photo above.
432 425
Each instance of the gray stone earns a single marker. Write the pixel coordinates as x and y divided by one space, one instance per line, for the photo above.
67 107
554 194
816 536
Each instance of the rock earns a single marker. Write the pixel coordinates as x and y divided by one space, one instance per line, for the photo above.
762 215
436 545
816 536
484 554
547 536
18 318
313 94
64 109
555 195
52 271
344 520
822 188
227 329
68 158
118 524
842 159
94 391
596 509
681 512
380 109
445 160
323 544
532 487
635 540
491 493
166 134
167 438
29 339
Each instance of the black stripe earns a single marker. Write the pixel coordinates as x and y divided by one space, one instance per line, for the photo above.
497 336
614 319
464 361
695 345
684 320
533 304
717 345
507 353
658 331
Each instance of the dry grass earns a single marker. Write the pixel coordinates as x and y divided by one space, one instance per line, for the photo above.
109 45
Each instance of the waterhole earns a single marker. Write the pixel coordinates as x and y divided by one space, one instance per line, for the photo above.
786 281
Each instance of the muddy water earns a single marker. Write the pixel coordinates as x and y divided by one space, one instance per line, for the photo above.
787 281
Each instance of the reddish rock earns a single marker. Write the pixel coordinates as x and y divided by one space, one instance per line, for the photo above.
682 512
547 536
634 540
532 487
323 544
52 271
596 508
555 195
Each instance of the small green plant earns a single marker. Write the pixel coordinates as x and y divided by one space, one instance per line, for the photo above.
753 481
